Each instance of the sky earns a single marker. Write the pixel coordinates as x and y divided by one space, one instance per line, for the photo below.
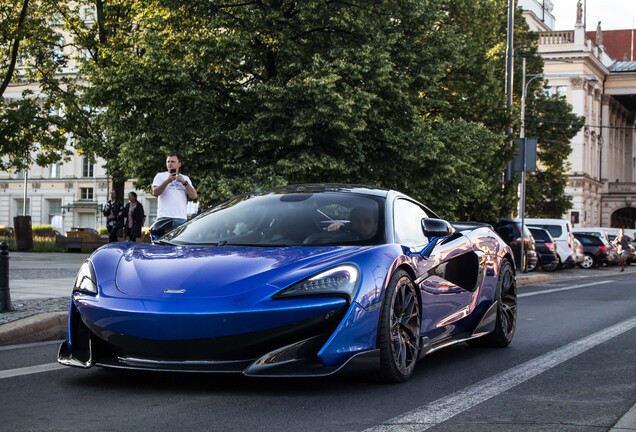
613 14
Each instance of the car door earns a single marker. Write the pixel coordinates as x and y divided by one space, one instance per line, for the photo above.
447 272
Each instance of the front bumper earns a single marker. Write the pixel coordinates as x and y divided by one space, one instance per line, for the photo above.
318 346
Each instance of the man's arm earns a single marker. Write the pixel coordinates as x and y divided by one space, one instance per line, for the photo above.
158 189
191 191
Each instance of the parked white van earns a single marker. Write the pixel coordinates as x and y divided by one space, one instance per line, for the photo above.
595 231
561 231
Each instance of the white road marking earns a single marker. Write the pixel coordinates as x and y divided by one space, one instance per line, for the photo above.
30 370
563 288
447 407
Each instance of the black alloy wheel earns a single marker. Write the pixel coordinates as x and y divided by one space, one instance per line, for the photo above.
506 296
399 331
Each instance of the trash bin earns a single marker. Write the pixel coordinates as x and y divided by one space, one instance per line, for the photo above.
23 233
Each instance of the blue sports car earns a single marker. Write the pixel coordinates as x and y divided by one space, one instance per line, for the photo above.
295 281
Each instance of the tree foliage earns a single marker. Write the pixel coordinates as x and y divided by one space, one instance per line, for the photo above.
555 125
264 93
406 94
31 121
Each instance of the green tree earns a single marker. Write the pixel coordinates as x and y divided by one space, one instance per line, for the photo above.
554 124
32 124
265 93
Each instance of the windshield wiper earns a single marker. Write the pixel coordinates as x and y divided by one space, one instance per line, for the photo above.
165 242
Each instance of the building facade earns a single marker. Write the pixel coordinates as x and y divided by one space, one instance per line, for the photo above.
602 89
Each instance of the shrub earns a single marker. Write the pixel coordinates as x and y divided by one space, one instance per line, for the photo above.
43 231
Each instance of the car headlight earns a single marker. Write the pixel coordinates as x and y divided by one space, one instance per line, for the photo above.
86 281
342 280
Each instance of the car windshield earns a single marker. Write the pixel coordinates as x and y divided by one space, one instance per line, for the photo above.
286 219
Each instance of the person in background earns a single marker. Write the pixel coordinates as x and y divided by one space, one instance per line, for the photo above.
172 190
134 217
622 241
113 211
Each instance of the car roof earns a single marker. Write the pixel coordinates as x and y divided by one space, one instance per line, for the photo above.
328 187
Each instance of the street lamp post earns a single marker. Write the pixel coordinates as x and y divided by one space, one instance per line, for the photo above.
522 136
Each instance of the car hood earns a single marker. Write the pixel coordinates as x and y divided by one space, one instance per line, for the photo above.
219 271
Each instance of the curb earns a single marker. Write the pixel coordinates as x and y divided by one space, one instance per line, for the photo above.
527 279
37 328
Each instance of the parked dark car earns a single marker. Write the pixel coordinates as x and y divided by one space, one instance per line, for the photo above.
596 250
510 232
546 249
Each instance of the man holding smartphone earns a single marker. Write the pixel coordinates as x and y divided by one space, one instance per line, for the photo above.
172 190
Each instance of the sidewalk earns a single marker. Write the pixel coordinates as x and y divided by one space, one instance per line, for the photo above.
40 287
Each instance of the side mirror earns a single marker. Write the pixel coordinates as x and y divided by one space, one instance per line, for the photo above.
436 228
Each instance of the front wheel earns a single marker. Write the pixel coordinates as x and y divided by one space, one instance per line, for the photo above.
399 331
588 262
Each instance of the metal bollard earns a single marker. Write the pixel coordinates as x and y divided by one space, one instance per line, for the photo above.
5 295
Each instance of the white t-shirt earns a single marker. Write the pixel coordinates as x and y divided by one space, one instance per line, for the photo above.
172 203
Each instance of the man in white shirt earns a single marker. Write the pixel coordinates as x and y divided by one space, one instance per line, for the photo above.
172 190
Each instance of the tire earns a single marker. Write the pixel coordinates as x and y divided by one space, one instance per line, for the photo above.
531 267
399 330
550 267
588 262
506 296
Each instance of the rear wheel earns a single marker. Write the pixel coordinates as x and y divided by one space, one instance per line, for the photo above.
399 331
506 296
588 262
550 267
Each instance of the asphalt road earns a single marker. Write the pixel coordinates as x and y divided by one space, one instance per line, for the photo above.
571 367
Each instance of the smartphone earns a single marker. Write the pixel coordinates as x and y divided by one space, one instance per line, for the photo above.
173 171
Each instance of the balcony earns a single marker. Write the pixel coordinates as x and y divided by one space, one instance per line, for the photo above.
556 37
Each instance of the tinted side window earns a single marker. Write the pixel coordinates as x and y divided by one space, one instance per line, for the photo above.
590 240
408 223
540 235
506 232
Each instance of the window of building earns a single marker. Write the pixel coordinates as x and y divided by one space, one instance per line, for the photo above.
86 193
88 15
55 171
19 207
88 168
562 90
55 210
151 214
